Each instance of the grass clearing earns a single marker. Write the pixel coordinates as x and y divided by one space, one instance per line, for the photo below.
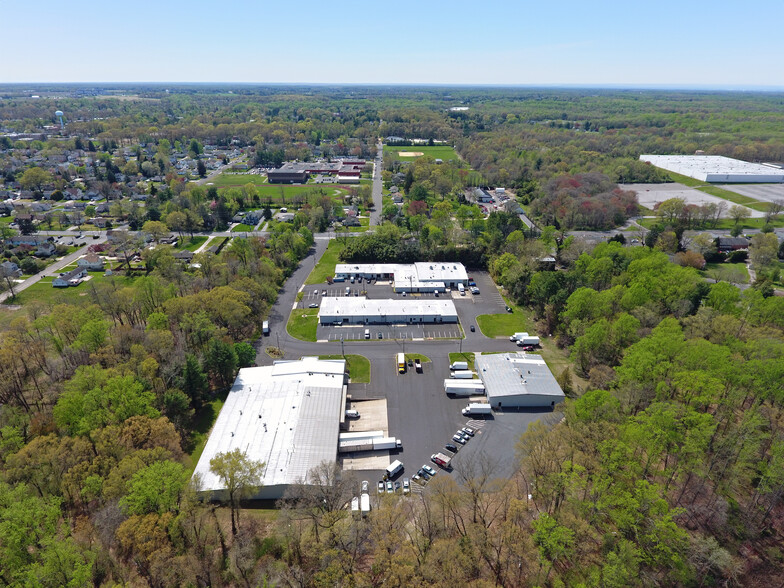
241 228
235 180
469 358
202 424
190 244
444 152
358 367
419 356
326 265
734 273
506 324
303 323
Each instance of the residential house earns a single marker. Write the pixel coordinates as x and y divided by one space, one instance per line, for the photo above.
726 244
100 222
41 206
91 262
9 268
72 278
253 217
102 208
75 205
184 255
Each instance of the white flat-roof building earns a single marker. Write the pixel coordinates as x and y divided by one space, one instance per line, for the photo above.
514 380
361 310
425 276
286 415
716 168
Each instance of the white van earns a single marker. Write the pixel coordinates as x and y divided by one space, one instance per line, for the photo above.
461 289
394 468
352 414
367 333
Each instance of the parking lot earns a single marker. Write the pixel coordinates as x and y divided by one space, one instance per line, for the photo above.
425 418
488 301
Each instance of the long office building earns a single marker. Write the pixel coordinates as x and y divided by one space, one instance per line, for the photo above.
360 310
425 276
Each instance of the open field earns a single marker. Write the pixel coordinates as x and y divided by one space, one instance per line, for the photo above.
734 273
437 151
505 324
358 367
648 195
303 323
225 180
241 228
326 265
191 244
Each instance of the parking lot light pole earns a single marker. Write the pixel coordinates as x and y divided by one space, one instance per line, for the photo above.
342 349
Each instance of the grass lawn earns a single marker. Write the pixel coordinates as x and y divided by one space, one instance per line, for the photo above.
419 356
302 324
725 224
444 152
191 244
43 291
242 228
727 272
506 324
202 423
326 265
358 367
283 194
238 180
467 357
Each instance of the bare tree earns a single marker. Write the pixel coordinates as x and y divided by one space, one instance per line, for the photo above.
774 210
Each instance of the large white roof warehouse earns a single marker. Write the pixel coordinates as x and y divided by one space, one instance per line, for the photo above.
413 277
286 415
716 168
358 309
518 380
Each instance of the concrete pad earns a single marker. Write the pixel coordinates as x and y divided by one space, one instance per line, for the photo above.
373 416
764 192
366 460
649 195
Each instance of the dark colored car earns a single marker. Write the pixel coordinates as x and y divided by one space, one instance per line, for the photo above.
450 447
473 329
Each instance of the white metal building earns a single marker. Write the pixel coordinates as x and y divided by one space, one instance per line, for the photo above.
286 415
518 380
716 168
361 310
425 276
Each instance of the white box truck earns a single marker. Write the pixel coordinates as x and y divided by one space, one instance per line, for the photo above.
461 289
387 443
394 469
529 340
517 336
364 503
459 365
477 408
463 374
441 459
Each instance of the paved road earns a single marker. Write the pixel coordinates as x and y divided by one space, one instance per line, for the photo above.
375 214
53 269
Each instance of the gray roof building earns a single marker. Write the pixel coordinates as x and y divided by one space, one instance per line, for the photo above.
514 380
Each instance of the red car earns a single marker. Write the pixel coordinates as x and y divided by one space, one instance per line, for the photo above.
528 347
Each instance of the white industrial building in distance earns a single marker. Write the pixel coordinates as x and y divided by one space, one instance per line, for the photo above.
717 168
360 310
286 415
516 380
425 276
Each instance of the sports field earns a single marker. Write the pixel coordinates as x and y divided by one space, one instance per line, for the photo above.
413 151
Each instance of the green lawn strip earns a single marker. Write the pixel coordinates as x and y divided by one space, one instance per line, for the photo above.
419 356
326 265
725 224
734 197
685 180
358 367
505 324
202 424
241 228
469 358
303 323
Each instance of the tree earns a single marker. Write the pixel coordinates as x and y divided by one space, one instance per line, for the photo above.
220 360
201 169
739 213
246 354
240 476
156 229
774 210
35 179
763 250
8 276
156 488
703 243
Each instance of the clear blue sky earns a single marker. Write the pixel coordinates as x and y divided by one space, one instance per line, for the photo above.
683 43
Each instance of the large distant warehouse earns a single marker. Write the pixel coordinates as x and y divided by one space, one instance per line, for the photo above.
361 310
716 168
286 415
516 380
426 276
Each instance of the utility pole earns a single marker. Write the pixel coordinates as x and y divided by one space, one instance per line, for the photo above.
342 349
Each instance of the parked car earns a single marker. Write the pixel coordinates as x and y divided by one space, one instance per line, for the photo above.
312 305
418 366
381 487
468 431
380 336
450 447
527 347
473 329
390 488
315 292
423 474
323 292
406 486
397 486
365 486
458 439
429 470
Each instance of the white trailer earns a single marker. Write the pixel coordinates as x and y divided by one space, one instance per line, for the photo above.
352 446
476 408
529 340
364 503
459 365
387 443
517 336
462 374
464 387
360 435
